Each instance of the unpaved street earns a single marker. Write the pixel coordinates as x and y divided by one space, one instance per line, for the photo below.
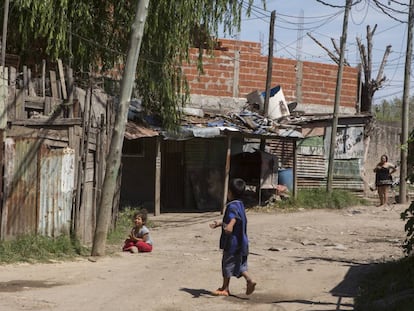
306 260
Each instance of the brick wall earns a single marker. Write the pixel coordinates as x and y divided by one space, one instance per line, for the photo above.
222 76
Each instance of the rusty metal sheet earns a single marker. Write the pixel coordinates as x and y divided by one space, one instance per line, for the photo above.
57 175
19 215
135 131
284 150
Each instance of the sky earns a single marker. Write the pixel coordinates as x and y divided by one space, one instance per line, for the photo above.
323 19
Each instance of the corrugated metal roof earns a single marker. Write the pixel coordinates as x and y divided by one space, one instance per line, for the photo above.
135 131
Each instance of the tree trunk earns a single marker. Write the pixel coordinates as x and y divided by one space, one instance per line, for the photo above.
115 151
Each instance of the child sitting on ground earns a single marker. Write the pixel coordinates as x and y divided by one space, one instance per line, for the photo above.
139 239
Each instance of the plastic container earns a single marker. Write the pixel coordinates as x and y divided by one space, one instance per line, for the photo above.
285 177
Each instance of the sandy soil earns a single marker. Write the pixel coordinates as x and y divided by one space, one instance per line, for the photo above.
307 260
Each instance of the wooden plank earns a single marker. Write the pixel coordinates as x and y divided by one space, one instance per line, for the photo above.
3 97
11 104
157 200
13 76
44 78
62 79
70 91
25 81
56 107
19 104
30 87
40 122
48 106
53 84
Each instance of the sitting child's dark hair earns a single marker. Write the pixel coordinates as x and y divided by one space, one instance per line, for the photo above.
237 187
143 213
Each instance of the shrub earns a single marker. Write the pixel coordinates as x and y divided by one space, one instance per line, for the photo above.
319 198
37 248
408 215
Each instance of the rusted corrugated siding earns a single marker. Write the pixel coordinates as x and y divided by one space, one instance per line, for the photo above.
312 164
284 149
38 188
57 174
20 213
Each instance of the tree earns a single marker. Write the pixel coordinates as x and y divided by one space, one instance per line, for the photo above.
114 156
92 32
391 111
96 32
369 85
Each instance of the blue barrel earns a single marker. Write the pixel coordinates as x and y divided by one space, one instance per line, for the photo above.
285 177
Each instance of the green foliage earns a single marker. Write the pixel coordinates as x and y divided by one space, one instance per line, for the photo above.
319 198
388 287
391 111
408 216
96 33
36 248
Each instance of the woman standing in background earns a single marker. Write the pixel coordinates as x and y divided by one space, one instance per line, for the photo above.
383 178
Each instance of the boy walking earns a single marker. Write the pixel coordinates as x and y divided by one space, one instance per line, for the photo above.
233 240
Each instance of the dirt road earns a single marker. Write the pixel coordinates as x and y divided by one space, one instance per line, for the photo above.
306 260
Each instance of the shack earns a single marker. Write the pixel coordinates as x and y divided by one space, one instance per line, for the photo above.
53 152
350 156
190 168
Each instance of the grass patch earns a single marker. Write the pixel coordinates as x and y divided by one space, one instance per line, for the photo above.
319 198
390 287
36 248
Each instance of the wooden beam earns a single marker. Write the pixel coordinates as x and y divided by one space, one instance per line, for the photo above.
226 173
62 79
53 84
157 205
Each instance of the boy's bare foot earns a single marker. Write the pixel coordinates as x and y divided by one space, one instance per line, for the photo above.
250 287
221 292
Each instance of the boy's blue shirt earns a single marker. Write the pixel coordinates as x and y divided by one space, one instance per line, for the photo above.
237 241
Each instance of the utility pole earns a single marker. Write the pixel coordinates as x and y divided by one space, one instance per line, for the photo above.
269 63
3 82
337 97
405 106
4 37
269 72
115 150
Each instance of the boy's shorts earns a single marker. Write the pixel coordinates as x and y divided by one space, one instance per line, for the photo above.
233 265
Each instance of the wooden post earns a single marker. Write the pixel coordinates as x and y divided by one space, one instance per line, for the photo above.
157 205
226 173
3 97
53 84
268 76
406 107
295 157
70 90
62 79
25 81
331 161
44 78
11 103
